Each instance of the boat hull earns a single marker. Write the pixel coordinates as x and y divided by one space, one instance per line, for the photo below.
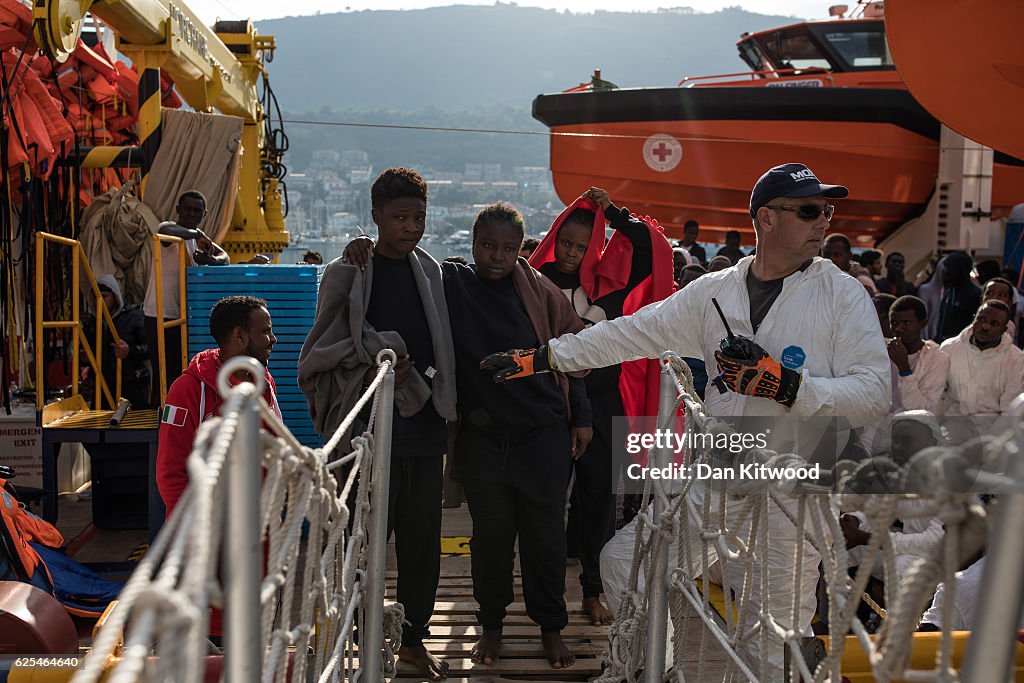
694 153
986 74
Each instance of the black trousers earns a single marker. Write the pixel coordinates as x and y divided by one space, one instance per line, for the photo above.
592 510
414 516
172 355
515 486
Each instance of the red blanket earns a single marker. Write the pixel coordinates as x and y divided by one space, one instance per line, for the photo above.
605 269
545 251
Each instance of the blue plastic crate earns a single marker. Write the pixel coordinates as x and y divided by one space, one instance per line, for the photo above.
290 292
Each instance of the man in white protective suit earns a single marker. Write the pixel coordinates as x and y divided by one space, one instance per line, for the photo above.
813 348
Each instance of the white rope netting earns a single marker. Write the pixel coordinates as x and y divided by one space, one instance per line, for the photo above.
315 560
764 548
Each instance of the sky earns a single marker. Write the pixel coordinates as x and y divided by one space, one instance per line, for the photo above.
210 10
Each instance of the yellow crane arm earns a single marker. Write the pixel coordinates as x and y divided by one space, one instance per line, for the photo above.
208 73
213 69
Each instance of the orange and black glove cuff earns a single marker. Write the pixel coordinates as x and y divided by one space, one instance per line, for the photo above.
516 363
761 378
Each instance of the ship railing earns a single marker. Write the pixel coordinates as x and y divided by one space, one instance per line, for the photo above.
582 87
79 342
691 81
181 321
290 541
759 613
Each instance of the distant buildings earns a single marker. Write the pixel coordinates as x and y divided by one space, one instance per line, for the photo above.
533 176
351 158
343 223
325 158
487 173
330 199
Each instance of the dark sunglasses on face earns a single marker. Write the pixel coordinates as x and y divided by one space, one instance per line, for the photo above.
807 212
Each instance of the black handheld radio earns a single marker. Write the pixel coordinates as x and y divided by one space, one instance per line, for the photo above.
735 346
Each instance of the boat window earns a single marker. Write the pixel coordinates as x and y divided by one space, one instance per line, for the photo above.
751 54
861 48
859 45
794 48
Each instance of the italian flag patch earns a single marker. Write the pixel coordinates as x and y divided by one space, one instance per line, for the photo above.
173 415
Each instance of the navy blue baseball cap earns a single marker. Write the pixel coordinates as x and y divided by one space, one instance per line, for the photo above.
790 180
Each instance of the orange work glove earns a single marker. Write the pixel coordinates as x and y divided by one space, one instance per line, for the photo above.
757 374
516 363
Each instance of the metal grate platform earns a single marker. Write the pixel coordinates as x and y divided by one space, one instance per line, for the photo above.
100 419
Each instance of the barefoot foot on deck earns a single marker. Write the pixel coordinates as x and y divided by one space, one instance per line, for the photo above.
597 612
554 648
487 649
427 664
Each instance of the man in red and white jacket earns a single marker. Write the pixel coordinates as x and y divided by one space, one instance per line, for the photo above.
242 327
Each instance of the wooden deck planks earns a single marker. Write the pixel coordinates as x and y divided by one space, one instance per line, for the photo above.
454 630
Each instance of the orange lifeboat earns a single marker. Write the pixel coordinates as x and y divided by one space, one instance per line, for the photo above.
823 93
989 85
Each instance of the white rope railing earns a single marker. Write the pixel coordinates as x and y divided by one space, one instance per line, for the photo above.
765 545
291 616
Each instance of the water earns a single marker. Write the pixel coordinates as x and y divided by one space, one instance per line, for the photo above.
331 250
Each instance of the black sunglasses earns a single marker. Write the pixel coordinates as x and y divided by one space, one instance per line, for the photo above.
807 212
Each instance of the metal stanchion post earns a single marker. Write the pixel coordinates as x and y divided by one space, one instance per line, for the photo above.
990 650
243 561
371 638
657 605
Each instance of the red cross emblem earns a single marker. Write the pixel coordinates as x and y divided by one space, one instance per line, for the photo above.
662 151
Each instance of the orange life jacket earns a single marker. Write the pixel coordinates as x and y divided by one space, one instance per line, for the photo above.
168 97
18 19
96 59
10 37
128 87
41 124
57 127
24 527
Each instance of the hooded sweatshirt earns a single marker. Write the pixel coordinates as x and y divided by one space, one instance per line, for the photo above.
110 282
193 398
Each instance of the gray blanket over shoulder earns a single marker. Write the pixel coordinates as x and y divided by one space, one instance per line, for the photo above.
342 345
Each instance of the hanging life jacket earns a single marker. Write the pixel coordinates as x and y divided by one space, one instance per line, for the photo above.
29 552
